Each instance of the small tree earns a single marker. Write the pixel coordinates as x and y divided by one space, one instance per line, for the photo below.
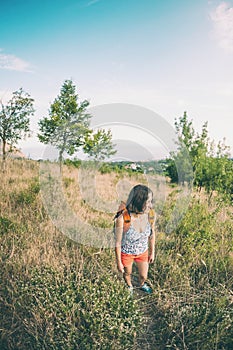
68 125
14 119
212 168
68 122
195 144
99 145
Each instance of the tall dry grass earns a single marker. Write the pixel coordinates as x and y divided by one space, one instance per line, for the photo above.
59 294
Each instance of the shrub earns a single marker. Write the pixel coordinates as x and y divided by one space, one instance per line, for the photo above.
60 310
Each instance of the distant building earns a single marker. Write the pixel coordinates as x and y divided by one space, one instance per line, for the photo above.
133 166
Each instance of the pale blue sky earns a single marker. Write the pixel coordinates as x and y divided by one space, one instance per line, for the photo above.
170 56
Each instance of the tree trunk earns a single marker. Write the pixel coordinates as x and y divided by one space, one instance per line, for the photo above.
3 155
4 150
60 160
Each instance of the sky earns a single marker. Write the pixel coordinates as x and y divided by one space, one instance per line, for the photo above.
168 56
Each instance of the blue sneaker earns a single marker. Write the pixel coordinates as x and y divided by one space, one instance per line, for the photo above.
130 289
145 288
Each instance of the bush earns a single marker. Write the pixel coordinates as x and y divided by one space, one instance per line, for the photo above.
198 320
60 310
73 162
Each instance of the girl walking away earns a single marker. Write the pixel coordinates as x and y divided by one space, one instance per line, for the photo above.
135 236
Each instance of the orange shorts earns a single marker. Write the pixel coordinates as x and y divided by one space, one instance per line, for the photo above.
128 259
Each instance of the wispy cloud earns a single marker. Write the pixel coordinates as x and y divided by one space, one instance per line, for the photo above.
92 2
222 18
12 62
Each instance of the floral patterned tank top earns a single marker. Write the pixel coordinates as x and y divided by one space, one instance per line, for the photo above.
134 242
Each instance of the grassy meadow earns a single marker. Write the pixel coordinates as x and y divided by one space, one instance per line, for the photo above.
57 293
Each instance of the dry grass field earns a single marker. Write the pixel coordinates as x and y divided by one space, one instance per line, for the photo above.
60 289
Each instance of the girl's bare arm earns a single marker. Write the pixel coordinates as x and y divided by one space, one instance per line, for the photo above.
118 238
152 244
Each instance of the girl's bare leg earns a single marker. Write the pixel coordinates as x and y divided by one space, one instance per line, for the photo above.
127 275
143 271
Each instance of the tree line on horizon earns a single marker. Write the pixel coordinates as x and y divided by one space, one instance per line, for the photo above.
197 161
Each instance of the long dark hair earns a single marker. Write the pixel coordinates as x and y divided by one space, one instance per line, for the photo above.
137 198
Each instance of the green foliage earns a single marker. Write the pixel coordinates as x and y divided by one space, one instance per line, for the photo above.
171 170
67 181
179 166
103 223
14 118
192 320
197 245
74 162
25 197
217 175
193 280
99 145
58 310
68 121
6 225
68 127
105 168
212 168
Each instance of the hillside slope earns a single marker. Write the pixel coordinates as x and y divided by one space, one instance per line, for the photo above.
57 293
